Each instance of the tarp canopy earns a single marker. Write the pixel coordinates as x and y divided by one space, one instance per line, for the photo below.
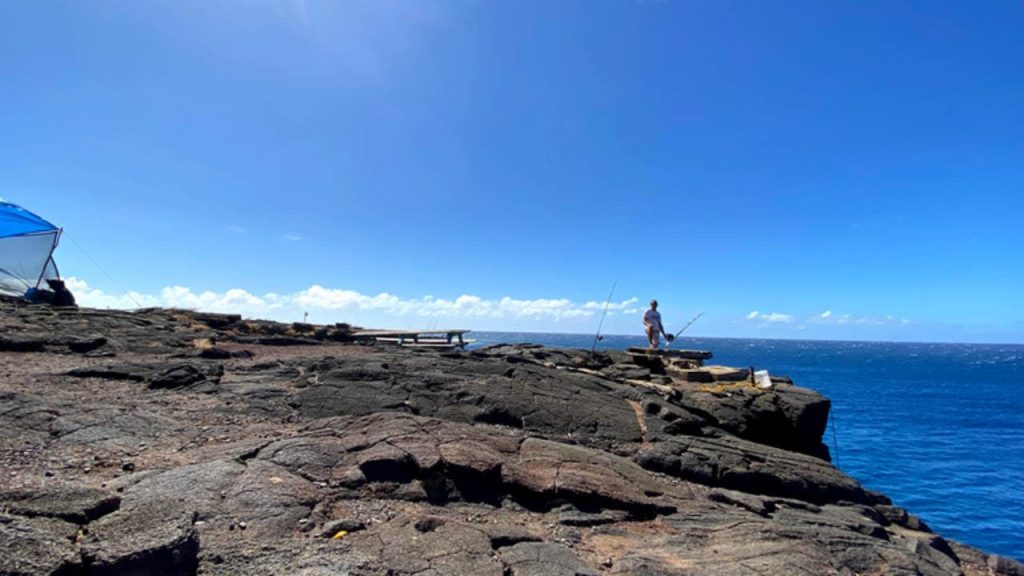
27 243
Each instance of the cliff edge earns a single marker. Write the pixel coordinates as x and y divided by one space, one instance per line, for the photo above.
174 442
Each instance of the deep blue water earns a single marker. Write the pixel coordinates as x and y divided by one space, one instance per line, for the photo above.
939 428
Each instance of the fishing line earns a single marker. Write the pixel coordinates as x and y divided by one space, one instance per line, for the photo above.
100 268
835 443
593 349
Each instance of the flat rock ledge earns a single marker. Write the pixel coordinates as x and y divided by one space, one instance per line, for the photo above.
179 443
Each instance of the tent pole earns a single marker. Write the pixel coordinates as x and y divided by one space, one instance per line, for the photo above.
56 240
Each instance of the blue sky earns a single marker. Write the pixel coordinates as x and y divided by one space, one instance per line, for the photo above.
845 170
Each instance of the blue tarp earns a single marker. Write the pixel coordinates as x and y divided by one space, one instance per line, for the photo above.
27 243
16 221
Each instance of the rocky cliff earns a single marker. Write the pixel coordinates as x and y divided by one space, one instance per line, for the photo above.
171 442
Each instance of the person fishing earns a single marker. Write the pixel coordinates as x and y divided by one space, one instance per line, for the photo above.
653 326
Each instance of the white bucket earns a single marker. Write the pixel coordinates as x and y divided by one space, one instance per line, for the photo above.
762 379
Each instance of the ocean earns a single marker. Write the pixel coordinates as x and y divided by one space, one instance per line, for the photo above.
939 428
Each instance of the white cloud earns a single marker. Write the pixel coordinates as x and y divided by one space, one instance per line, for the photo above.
318 298
624 305
237 229
293 237
94 298
234 300
828 317
773 317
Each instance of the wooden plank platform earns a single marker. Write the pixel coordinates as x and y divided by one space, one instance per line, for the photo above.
437 345
657 360
407 333
684 354
432 338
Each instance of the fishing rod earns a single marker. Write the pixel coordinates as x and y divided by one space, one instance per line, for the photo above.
597 336
670 340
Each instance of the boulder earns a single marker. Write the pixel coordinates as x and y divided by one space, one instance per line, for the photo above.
177 377
786 417
153 538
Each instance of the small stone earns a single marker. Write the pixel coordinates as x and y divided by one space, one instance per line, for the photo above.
429 524
128 466
334 526
242 525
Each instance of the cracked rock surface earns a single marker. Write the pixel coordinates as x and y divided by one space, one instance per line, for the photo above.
173 442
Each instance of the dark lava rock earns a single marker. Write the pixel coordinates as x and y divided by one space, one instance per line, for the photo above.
745 466
215 353
216 321
134 372
429 524
505 461
31 547
543 559
158 376
22 343
548 402
585 519
334 526
85 344
280 341
154 538
223 354
73 504
787 417
178 377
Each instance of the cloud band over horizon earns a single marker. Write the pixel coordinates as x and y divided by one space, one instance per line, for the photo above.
319 298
